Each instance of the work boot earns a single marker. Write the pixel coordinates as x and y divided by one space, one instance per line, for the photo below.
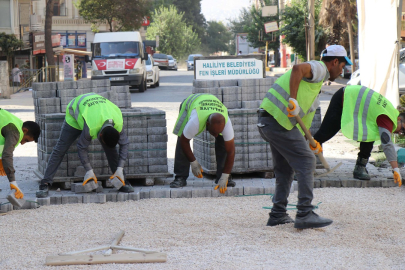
310 220
43 191
127 188
282 219
179 182
360 171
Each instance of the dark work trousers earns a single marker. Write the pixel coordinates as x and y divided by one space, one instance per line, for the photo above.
182 164
331 124
291 154
67 136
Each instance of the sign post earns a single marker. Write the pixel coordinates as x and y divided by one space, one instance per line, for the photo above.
68 67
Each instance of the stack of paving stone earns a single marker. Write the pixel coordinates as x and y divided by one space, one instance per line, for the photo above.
242 98
145 128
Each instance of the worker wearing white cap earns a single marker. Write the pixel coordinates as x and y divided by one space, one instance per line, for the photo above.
291 153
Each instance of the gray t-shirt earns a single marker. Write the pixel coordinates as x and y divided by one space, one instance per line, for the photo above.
319 72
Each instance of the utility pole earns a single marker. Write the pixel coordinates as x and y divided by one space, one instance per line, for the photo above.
283 60
311 30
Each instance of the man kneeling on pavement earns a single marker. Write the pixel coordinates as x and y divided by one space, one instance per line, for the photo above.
88 117
201 112
365 116
14 132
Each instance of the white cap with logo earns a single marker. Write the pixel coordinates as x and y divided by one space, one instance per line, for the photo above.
336 50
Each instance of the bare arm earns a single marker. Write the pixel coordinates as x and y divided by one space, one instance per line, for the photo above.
185 145
298 72
230 158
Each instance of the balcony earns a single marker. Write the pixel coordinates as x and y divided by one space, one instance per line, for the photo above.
58 11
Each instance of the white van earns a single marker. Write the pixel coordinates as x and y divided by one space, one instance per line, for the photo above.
120 57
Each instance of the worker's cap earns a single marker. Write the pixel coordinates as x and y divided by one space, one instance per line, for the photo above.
336 50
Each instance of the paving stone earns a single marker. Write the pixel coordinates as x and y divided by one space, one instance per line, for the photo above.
70 199
330 183
371 183
144 194
30 203
94 198
122 197
159 193
351 183
388 183
252 190
111 196
4 208
79 188
180 193
44 201
134 196
56 199
201 192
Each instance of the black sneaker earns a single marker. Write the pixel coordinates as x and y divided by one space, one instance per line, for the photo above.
127 188
311 220
43 191
178 183
274 221
231 183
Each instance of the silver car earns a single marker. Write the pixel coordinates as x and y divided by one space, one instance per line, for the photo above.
172 63
190 61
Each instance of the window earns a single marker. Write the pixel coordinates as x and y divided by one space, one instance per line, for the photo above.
5 20
116 49
59 8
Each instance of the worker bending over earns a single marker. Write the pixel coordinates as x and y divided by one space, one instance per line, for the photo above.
278 126
14 132
201 112
364 116
88 117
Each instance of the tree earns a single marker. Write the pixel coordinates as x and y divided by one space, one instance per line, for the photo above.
118 14
48 38
191 13
339 16
217 38
293 27
175 36
236 26
8 45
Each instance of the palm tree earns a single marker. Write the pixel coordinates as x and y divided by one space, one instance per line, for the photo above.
336 13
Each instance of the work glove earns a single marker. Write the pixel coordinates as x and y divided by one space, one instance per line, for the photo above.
18 193
222 183
397 176
119 173
2 171
317 149
196 169
295 108
89 176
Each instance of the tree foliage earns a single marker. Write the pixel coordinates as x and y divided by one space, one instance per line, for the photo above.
9 44
293 27
217 38
118 14
191 13
236 26
175 36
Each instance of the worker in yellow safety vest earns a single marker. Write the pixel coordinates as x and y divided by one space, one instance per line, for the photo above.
291 153
201 112
88 117
365 116
14 132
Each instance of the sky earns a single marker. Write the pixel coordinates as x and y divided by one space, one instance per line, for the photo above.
221 10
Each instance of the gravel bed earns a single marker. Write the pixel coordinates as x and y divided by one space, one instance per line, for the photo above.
216 233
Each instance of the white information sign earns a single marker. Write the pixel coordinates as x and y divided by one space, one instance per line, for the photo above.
270 27
68 67
226 69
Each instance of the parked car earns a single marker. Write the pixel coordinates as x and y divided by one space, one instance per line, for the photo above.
172 63
347 71
161 60
152 72
190 61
